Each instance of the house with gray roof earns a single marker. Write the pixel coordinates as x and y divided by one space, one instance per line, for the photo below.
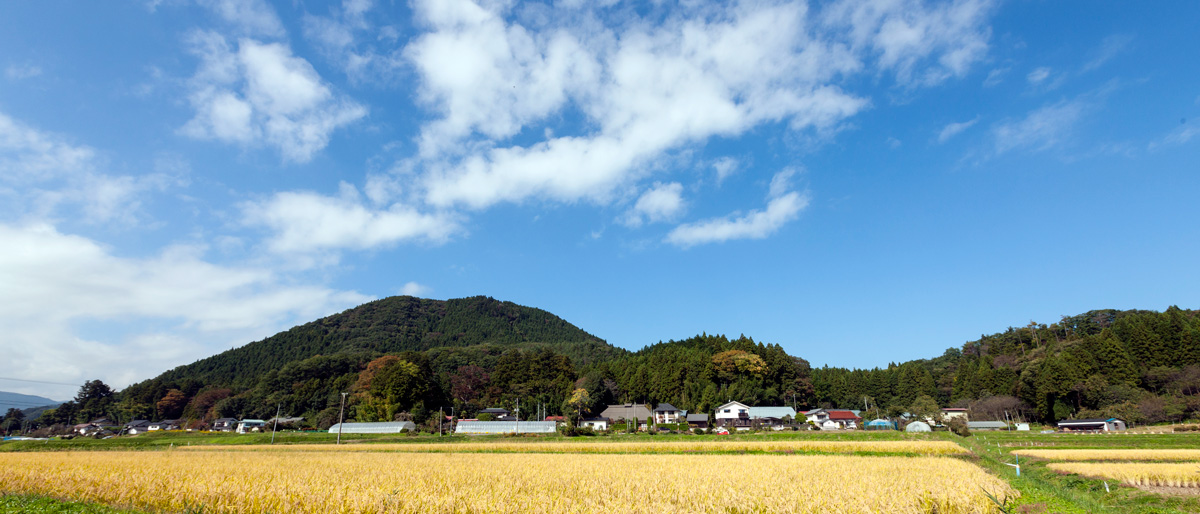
628 412
666 413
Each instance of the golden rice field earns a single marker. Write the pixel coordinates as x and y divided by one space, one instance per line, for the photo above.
1113 454
1136 473
368 482
800 446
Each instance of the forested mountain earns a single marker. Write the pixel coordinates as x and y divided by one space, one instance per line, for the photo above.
1142 366
406 357
431 349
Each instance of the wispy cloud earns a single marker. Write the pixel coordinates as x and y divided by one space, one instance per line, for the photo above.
953 129
22 71
783 205
1111 47
1041 129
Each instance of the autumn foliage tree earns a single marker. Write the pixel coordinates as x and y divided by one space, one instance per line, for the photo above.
734 364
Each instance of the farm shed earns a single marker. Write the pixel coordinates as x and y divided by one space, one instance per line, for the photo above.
918 426
1098 424
987 425
697 420
383 427
504 427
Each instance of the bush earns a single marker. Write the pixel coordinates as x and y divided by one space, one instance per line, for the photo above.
959 427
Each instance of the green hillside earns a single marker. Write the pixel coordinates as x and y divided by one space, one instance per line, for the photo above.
406 356
399 324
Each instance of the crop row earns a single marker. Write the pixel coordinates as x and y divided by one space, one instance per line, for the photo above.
1118 454
874 447
1136 473
306 482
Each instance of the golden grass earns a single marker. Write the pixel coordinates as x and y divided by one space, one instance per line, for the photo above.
1136 473
882 447
1121 454
308 482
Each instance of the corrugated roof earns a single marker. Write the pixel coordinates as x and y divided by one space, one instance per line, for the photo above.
693 418
384 427
505 427
986 424
772 412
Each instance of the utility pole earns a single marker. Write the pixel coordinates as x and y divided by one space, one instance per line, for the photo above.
341 412
276 425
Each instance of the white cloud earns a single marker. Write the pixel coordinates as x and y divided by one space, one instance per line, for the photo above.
642 92
250 17
308 223
72 310
725 166
662 202
783 205
923 43
953 129
22 71
415 289
1041 129
1038 75
261 93
42 174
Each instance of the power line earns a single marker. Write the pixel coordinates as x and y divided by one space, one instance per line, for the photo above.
37 381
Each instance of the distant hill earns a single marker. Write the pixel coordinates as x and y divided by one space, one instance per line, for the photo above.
23 401
323 355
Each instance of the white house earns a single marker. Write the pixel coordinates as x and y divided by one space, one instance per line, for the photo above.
250 425
742 416
733 414
666 413
596 423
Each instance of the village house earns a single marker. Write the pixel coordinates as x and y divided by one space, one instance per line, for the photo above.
666 413
166 424
742 417
86 428
595 423
697 420
636 412
250 425
224 424
833 419
137 426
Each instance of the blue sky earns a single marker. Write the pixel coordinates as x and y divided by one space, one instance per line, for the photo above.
862 182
